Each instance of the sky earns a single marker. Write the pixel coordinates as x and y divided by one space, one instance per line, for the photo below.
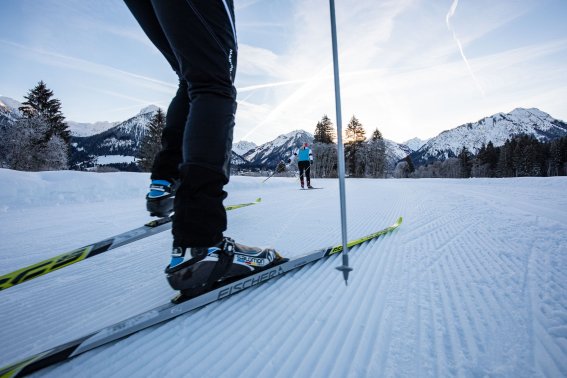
411 68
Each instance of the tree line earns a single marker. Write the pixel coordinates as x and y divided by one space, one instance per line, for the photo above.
522 156
363 158
40 140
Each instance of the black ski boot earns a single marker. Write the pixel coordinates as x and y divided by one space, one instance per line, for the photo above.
159 200
194 271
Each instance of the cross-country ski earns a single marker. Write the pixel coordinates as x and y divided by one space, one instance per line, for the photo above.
168 311
65 259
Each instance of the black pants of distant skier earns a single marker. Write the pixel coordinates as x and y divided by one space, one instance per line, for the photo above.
198 40
304 170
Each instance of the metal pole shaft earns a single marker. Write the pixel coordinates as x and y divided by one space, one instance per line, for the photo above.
341 152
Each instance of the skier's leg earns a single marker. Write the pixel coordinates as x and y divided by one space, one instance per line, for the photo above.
202 38
165 171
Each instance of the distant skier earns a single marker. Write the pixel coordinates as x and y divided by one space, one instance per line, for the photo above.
198 39
304 158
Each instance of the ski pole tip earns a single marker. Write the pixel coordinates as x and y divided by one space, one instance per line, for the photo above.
346 270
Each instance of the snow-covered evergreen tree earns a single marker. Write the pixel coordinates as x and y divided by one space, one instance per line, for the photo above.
324 160
151 144
26 149
402 170
40 102
324 150
376 155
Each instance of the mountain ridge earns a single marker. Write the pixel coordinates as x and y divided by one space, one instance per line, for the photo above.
124 138
496 128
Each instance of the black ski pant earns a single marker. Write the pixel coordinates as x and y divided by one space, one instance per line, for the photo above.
198 39
304 169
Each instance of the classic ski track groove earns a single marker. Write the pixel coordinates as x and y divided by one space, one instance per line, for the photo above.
443 296
91 341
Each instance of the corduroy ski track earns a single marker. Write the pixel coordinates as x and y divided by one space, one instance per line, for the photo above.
170 310
80 254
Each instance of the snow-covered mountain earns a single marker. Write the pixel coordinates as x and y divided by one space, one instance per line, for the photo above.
9 112
271 153
81 129
237 160
9 103
415 143
123 139
496 129
243 147
395 152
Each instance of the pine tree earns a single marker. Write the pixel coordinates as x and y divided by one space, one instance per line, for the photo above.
505 165
324 149
40 102
324 131
151 144
355 137
465 159
376 156
558 157
409 161
486 161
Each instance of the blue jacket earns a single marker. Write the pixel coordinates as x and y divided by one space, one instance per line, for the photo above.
304 154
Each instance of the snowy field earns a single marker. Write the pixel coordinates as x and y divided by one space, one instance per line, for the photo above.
474 282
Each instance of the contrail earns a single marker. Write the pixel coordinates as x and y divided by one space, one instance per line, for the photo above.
271 85
450 14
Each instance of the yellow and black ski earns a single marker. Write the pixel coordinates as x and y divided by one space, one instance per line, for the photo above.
171 310
79 254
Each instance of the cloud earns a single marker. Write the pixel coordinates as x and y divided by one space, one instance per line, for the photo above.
95 69
259 62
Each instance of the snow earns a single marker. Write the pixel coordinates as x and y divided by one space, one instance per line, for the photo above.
113 159
149 109
10 103
472 284
415 143
78 129
243 147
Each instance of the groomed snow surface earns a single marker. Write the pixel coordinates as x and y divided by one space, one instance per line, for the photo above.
474 282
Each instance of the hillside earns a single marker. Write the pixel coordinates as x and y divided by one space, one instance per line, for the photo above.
496 129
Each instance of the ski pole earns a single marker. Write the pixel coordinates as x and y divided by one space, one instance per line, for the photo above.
345 268
275 171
